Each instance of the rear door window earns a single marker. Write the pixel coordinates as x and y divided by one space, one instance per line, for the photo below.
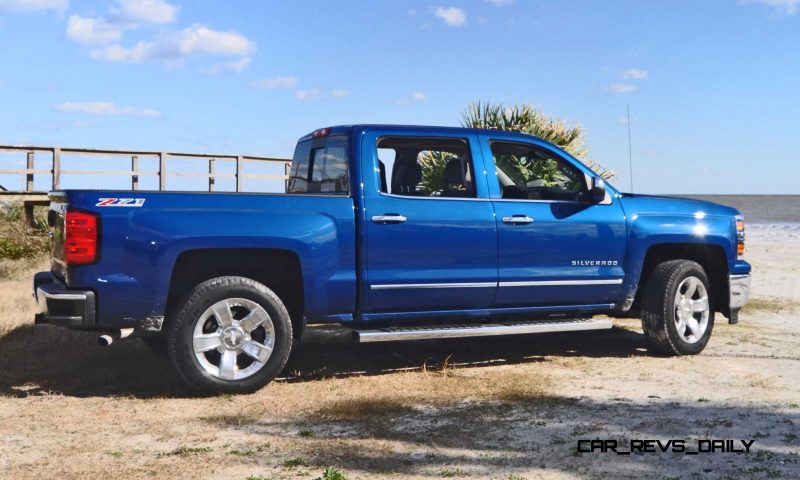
426 167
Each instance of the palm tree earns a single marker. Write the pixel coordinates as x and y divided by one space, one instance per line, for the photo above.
526 119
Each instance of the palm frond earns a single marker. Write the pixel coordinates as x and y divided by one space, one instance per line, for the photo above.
525 118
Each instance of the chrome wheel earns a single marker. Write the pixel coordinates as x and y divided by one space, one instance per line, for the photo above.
692 309
233 339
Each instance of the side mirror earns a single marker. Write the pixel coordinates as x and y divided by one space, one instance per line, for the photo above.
597 190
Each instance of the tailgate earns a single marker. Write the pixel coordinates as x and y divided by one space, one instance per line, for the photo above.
55 219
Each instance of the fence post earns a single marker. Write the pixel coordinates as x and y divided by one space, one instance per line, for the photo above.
56 168
135 172
162 171
239 173
210 174
29 174
287 168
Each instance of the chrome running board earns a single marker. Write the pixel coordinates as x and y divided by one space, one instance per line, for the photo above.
393 334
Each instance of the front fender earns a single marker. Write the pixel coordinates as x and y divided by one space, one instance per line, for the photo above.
649 230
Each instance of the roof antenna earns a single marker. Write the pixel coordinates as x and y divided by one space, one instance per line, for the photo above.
630 151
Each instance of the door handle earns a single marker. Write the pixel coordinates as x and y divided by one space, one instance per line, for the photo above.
518 220
389 218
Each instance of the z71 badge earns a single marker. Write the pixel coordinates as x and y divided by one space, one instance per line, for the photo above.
120 202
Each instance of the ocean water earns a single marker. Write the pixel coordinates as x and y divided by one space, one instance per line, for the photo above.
773 211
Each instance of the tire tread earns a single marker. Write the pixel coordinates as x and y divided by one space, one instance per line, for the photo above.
657 306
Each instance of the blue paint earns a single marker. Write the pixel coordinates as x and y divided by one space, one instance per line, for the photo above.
343 253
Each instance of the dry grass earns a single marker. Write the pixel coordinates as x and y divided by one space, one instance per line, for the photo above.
403 392
771 305
17 307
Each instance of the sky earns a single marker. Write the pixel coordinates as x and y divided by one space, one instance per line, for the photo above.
713 86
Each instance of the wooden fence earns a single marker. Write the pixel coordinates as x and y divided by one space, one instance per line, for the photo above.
29 197
53 158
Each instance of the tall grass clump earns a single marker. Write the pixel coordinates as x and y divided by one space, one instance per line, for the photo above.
21 243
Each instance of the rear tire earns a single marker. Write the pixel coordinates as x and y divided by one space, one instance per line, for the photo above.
232 335
677 309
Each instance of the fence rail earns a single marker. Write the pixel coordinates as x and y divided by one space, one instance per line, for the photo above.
54 155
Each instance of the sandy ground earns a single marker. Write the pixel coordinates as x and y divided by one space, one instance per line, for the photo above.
505 408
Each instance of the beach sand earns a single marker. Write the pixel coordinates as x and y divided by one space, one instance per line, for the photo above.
505 408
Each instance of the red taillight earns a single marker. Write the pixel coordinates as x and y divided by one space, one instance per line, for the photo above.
80 238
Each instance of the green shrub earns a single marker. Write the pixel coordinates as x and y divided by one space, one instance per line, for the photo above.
331 473
19 240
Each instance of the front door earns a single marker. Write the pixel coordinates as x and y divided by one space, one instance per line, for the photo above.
555 247
431 239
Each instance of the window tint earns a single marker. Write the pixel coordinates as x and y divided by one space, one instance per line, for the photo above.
531 173
425 167
320 166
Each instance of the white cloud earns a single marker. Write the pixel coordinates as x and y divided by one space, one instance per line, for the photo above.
635 74
415 97
92 31
624 120
500 3
106 108
143 11
304 95
277 83
125 15
339 93
22 6
453 16
788 7
621 88
178 45
236 66
412 12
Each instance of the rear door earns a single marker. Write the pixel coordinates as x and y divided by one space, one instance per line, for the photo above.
555 247
431 239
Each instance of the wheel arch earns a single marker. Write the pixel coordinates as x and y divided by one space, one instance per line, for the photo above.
711 257
279 270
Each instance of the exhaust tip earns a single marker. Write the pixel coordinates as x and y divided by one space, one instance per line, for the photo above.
105 340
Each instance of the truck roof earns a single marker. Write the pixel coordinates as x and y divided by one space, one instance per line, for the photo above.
343 129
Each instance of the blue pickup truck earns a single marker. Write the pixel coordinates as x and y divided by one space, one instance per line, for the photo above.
400 233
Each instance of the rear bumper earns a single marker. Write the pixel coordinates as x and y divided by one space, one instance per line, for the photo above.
56 305
740 290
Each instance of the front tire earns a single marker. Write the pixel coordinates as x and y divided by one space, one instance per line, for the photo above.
232 335
677 308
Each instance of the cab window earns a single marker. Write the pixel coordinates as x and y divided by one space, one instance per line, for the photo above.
425 167
527 172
